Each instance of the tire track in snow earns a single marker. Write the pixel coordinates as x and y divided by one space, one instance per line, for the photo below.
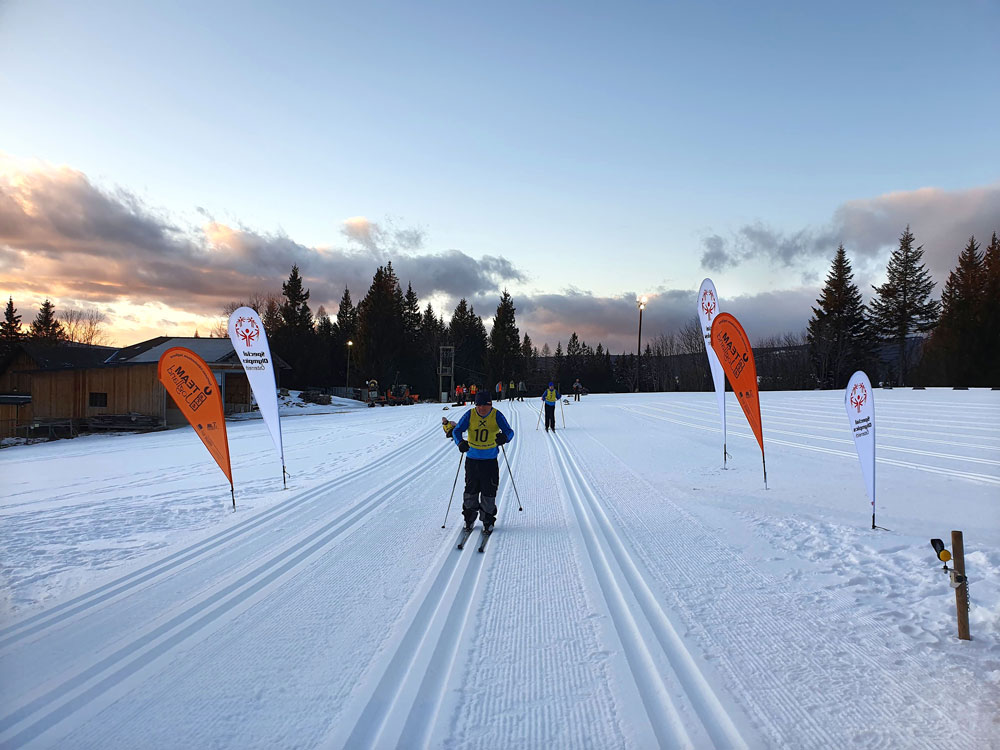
635 611
47 706
403 705
123 586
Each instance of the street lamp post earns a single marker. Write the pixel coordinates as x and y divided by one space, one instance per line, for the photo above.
349 345
641 302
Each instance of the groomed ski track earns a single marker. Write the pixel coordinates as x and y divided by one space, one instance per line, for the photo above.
628 620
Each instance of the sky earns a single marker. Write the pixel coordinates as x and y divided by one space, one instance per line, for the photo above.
160 160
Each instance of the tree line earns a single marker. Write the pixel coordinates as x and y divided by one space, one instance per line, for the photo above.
903 336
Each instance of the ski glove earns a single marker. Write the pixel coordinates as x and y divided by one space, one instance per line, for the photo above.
501 438
463 445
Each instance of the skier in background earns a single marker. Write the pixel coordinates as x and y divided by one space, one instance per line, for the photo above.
521 390
510 391
488 430
550 398
577 388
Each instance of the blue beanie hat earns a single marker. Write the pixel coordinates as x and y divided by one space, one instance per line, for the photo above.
483 398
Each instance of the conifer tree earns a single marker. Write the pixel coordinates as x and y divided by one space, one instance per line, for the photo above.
324 359
952 357
504 342
380 338
558 365
990 315
903 304
529 360
294 336
10 329
468 335
45 328
838 333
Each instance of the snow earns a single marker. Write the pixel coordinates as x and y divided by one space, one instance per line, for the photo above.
645 597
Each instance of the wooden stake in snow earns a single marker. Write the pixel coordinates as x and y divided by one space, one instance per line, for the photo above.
961 584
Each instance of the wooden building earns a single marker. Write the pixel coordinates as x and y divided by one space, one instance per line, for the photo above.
81 387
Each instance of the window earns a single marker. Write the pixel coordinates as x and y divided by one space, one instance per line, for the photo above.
98 399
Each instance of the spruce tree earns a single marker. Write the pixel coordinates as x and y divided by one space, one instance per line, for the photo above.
294 336
952 356
504 342
45 328
380 339
529 360
468 335
838 333
990 316
10 329
903 304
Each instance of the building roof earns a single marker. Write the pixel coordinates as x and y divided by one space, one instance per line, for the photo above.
66 355
211 350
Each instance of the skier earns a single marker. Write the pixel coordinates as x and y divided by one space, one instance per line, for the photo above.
510 391
521 390
447 425
577 388
550 398
488 430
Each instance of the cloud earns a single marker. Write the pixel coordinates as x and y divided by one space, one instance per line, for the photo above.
63 237
869 229
614 321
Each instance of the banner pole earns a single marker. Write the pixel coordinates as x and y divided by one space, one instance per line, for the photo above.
284 484
232 491
763 461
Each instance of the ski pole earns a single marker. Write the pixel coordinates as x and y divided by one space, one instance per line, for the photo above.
507 460
453 486
539 420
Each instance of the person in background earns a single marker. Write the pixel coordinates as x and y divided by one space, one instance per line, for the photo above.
577 388
499 391
510 391
488 430
550 398
521 390
472 392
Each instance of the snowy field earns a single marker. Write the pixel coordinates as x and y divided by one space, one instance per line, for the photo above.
644 598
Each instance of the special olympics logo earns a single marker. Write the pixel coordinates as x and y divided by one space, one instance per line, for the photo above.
858 396
708 302
248 330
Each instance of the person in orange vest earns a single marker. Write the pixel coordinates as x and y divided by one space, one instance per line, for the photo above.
460 394
499 389
472 392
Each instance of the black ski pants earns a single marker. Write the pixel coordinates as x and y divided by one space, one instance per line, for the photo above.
482 477
550 416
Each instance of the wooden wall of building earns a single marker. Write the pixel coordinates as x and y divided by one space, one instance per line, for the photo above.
13 379
12 417
65 394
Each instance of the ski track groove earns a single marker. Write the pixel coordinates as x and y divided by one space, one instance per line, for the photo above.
552 641
970 476
132 581
622 582
75 691
415 679
777 644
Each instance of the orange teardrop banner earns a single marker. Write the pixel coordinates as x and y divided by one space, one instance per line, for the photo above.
191 384
732 345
